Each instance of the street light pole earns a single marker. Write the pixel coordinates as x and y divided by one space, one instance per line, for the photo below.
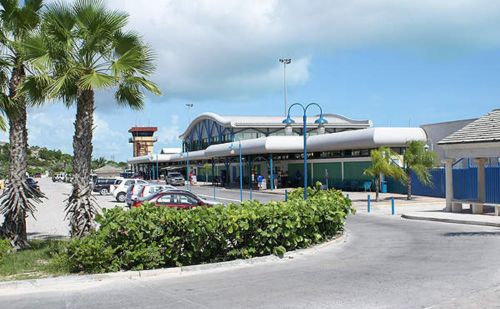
320 121
157 170
189 106
187 171
241 168
285 61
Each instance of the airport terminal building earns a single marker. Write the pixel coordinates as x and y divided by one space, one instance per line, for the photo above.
338 150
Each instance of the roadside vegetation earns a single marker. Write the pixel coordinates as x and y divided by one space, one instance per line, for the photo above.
41 259
42 160
416 159
64 52
156 237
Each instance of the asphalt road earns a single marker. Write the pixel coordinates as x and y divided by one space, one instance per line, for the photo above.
385 262
233 195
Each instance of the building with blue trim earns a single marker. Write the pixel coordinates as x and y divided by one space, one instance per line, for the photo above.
338 151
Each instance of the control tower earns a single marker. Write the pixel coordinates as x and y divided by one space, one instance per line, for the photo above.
142 140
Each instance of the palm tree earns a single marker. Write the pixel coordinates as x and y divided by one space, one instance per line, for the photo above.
382 163
99 162
17 200
419 160
81 48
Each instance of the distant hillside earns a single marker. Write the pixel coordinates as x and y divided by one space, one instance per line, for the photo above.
41 159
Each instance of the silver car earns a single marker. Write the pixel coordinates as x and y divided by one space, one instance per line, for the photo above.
175 179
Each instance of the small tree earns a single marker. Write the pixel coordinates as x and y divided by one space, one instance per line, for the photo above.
419 160
382 164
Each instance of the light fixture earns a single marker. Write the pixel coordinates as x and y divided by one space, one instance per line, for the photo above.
288 121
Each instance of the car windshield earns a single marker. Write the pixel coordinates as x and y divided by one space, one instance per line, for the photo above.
175 175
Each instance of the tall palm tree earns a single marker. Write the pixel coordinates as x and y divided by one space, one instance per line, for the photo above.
17 22
382 163
83 47
419 160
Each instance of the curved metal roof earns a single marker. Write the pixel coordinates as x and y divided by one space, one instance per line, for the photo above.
334 121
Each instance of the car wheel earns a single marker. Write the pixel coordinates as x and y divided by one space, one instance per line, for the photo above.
120 197
103 191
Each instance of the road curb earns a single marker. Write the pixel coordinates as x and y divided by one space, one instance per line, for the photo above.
446 220
75 282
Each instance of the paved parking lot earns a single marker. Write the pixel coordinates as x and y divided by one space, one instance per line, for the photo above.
49 218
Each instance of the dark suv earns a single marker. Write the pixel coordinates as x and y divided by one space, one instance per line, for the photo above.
102 185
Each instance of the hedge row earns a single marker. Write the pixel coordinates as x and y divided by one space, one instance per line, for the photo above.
153 237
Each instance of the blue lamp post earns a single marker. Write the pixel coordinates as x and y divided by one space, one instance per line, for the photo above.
320 121
187 168
187 171
241 168
157 170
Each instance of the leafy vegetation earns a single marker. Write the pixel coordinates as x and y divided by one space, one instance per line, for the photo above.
382 164
419 160
41 160
153 237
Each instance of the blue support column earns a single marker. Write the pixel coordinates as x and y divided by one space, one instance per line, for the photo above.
241 175
213 176
250 176
271 170
304 118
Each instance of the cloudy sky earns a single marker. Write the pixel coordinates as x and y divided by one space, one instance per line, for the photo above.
395 62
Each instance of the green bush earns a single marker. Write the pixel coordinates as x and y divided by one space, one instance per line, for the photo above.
152 237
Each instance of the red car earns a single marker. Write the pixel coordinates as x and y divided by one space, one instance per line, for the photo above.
173 198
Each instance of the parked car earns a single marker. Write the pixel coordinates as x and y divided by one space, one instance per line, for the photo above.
120 190
102 185
182 199
59 177
175 179
138 191
33 184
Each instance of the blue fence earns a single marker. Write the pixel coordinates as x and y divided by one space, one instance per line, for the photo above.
464 184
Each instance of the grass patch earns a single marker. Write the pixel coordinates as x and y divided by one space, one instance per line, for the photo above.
42 259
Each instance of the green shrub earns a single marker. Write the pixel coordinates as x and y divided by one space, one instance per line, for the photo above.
152 237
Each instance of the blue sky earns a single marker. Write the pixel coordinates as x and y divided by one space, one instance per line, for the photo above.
397 63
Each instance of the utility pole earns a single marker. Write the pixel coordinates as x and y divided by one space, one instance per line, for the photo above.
285 61
189 106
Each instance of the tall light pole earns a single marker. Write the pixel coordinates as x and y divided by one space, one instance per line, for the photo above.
285 61
320 122
241 167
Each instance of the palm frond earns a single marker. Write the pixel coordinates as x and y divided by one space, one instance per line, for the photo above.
130 95
96 80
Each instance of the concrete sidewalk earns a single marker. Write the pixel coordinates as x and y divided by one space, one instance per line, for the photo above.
449 217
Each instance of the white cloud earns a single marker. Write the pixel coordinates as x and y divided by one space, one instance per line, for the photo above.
53 127
169 135
226 48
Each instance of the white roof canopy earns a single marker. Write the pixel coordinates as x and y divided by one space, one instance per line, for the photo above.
355 139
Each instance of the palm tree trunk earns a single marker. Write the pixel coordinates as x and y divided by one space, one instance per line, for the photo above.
408 196
377 188
81 208
17 200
